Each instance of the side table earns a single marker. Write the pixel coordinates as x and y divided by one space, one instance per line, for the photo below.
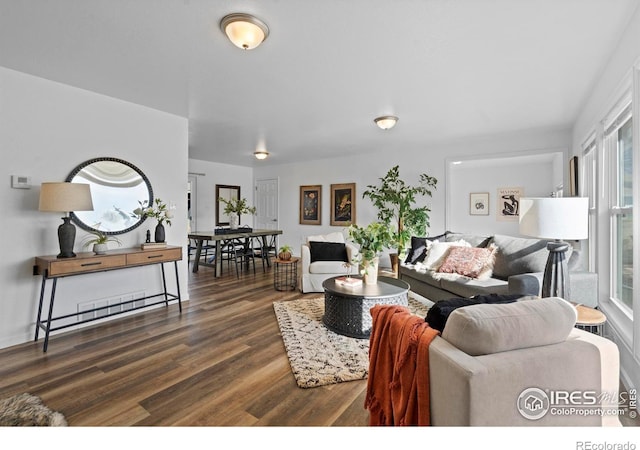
590 319
285 274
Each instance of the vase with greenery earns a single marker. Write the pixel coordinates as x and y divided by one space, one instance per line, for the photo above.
159 211
284 253
100 241
234 208
372 239
396 203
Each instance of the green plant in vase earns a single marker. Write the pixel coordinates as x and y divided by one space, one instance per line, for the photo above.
159 211
372 239
234 208
284 253
100 241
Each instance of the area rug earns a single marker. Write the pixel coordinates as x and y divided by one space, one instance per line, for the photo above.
26 410
319 356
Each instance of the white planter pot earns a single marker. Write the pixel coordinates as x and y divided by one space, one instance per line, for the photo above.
371 271
233 222
100 249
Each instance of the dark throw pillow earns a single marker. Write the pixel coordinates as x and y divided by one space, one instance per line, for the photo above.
418 250
439 313
328 251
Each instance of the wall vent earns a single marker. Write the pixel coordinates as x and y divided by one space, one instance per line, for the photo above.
112 305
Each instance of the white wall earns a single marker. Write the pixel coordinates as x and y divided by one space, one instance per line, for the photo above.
208 174
535 173
367 170
47 129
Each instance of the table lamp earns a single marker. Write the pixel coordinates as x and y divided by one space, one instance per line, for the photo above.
556 218
65 197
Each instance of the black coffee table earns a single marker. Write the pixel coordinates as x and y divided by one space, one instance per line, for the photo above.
346 309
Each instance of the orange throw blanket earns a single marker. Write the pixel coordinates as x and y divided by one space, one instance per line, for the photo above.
398 382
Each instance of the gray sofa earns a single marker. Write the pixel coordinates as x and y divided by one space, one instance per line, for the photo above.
518 269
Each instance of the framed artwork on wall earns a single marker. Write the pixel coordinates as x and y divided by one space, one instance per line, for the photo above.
479 203
509 203
310 205
343 204
573 176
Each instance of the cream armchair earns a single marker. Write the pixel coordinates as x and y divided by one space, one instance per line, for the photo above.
314 273
498 365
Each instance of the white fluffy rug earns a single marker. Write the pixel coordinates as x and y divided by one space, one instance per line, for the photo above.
319 356
26 410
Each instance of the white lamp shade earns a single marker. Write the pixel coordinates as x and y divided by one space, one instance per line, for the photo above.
65 197
244 31
555 218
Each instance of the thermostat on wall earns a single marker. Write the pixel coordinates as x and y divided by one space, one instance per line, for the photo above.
20 182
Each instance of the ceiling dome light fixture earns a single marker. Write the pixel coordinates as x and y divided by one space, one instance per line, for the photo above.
245 31
386 122
261 154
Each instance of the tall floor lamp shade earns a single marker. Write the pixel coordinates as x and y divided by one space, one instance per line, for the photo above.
562 218
65 197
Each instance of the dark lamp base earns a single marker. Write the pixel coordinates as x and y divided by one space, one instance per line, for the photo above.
66 238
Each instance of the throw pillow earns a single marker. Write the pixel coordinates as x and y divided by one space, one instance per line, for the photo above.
439 313
328 251
472 262
486 329
437 252
419 246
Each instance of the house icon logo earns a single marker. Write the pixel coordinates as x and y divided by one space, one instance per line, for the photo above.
533 403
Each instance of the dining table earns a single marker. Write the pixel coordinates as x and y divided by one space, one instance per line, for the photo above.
225 234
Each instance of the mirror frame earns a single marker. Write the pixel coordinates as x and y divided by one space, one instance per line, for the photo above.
81 166
220 205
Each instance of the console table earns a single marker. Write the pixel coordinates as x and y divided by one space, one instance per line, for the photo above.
53 268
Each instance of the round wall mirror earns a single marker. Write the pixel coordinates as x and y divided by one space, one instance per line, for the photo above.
117 189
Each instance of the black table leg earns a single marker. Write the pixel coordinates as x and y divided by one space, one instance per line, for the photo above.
48 329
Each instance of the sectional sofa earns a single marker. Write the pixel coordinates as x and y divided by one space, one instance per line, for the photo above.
517 268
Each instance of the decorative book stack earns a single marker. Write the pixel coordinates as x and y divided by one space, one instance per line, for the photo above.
349 281
153 245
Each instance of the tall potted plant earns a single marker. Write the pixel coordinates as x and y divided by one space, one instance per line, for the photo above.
234 208
372 239
396 203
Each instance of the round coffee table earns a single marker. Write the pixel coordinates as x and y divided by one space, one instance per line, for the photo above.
347 309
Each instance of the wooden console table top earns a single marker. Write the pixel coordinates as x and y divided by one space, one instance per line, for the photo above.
52 266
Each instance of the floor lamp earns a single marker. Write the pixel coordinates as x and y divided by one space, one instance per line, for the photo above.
560 219
65 197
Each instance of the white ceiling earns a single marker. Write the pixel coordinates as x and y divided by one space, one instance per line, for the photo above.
449 69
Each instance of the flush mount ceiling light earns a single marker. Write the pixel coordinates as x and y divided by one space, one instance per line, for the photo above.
261 154
245 31
386 122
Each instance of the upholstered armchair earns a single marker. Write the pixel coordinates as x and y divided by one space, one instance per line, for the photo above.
494 361
323 257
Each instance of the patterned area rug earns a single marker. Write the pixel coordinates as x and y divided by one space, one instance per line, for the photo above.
319 356
26 410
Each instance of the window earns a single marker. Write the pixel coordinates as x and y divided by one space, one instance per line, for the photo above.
590 190
619 145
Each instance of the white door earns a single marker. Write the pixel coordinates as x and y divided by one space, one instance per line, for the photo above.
267 204
192 191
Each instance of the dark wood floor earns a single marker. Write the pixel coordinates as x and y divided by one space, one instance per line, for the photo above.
219 363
